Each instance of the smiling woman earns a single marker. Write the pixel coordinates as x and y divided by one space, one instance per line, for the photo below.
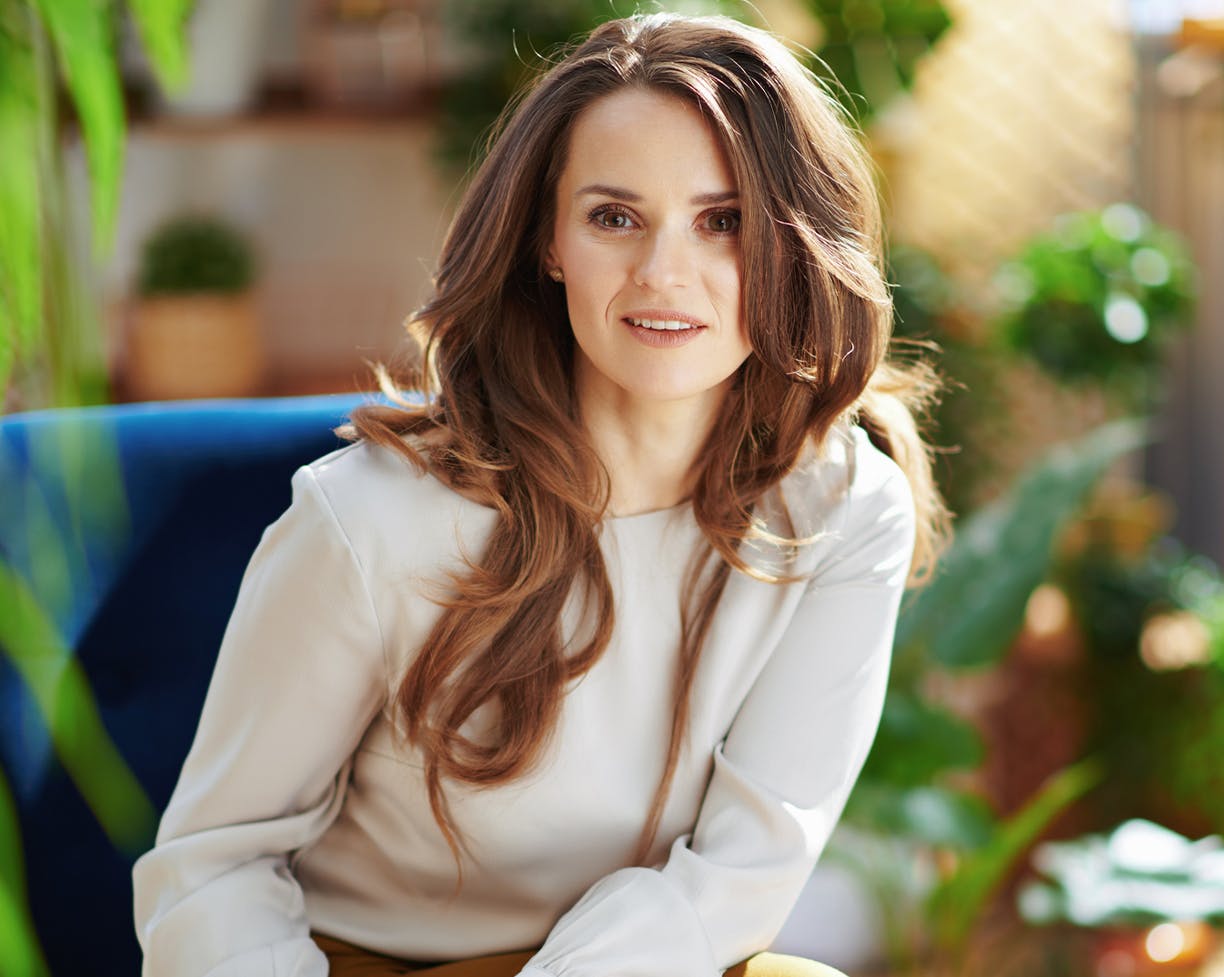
571 666
646 240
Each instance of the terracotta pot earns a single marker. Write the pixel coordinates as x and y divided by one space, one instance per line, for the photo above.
186 346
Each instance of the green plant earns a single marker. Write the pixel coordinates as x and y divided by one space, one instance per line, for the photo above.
48 574
195 254
869 51
964 621
1149 616
1141 873
42 311
510 42
1098 299
957 901
871 47
971 417
46 326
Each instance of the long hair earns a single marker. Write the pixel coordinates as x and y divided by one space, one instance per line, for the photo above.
499 422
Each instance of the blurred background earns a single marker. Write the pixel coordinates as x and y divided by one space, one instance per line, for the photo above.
1047 792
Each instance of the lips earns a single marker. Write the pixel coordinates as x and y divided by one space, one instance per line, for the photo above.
666 325
663 333
664 320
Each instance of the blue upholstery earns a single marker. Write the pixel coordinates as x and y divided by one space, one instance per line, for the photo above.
132 525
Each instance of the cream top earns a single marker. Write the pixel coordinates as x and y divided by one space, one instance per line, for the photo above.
299 809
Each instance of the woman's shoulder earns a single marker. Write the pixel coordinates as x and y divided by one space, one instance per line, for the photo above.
377 493
847 491
846 473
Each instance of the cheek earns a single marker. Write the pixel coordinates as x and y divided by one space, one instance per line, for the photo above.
725 284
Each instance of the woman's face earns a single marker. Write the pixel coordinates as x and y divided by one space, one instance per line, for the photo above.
647 239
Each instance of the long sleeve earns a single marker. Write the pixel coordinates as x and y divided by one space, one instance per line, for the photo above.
780 778
300 674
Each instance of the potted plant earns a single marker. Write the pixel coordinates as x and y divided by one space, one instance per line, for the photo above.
195 332
1098 300
1146 897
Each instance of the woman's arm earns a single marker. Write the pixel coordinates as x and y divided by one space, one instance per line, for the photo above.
300 675
780 780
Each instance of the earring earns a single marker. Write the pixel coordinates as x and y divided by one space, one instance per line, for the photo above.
556 274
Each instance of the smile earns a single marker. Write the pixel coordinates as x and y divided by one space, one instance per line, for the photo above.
663 325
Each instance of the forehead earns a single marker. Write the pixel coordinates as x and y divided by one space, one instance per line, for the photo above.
639 136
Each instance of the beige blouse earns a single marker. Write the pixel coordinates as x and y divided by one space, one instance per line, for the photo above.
299 808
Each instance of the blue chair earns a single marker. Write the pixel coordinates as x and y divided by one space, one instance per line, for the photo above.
129 527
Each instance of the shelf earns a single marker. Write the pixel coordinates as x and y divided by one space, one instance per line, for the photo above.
284 110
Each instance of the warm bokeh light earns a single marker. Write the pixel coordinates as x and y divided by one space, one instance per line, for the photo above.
1178 639
1165 942
1048 612
1184 943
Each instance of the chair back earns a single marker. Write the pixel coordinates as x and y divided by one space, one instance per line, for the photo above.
124 534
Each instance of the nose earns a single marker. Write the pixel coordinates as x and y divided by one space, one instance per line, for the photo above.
664 260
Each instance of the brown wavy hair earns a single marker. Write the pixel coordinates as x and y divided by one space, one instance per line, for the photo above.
499 422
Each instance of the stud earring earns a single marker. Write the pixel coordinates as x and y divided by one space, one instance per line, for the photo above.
556 274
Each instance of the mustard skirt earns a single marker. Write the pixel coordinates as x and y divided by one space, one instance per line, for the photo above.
347 960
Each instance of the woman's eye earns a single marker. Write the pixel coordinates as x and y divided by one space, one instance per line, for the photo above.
613 219
723 222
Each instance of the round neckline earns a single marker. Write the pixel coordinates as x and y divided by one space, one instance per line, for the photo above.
626 520
649 514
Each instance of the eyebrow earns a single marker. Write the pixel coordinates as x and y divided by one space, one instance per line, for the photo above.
620 193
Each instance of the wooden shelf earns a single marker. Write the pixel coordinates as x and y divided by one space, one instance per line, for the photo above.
285 109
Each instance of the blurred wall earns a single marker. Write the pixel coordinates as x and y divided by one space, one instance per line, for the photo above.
1028 109
1021 112
1181 183
346 217
346 208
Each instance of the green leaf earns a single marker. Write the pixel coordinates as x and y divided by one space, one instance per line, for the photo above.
62 693
80 33
160 24
19 949
917 741
956 903
928 815
24 108
872 47
973 609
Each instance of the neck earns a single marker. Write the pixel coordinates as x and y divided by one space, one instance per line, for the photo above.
648 447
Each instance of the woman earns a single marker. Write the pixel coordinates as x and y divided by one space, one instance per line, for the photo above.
572 666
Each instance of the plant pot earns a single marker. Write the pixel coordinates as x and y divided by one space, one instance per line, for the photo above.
226 40
187 346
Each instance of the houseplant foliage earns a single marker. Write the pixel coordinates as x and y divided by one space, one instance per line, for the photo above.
972 416
45 44
1150 616
195 254
1097 300
871 47
510 42
1096 303
68 42
195 330
1141 899
869 51
964 621
1140 873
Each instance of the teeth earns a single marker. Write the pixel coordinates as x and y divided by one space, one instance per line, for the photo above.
670 325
